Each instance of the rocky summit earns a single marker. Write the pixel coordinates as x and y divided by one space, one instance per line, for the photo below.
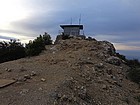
71 72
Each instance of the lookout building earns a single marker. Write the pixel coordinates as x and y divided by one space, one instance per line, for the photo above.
71 29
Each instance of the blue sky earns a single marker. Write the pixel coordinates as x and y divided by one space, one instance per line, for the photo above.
117 21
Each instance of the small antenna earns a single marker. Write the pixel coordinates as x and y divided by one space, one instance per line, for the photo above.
71 21
80 19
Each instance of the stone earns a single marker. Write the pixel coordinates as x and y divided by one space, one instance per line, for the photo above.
6 82
93 70
100 81
64 98
33 73
24 91
104 87
85 62
108 47
113 60
109 71
89 58
27 76
8 70
100 65
93 49
74 99
40 89
113 77
88 78
101 55
21 79
43 79
53 49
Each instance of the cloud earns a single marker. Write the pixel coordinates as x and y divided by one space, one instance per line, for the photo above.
117 21
5 37
99 17
124 46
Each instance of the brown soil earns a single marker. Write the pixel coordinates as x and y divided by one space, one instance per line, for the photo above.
72 72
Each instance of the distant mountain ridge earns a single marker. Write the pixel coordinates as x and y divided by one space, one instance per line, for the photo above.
130 54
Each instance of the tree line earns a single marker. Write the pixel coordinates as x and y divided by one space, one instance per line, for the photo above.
14 49
133 73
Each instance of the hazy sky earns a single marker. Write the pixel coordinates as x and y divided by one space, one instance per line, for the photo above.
117 21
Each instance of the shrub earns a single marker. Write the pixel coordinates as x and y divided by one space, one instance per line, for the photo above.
133 63
47 39
121 56
134 72
36 46
11 50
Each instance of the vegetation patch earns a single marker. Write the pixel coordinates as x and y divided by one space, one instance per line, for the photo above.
134 71
14 49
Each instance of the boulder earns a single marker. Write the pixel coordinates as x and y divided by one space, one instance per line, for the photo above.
113 60
59 37
108 47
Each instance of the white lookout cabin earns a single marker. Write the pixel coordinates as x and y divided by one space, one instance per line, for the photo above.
71 29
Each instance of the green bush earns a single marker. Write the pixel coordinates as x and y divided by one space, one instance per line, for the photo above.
134 72
47 39
133 63
121 56
11 50
36 46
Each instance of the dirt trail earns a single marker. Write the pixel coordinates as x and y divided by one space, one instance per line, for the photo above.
72 72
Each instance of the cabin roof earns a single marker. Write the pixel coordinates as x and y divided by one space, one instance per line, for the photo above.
80 26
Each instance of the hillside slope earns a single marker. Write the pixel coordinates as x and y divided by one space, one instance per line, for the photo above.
72 72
